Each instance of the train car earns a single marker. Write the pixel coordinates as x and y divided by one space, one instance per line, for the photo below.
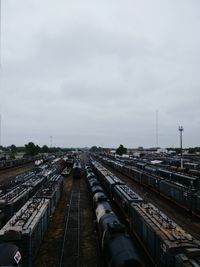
179 188
115 242
124 196
1 217
161 237
92 182
191 182
99 197
191 165
27 228
191 258
96 189
108 179
10 255
12 201
20 178
51 190
137 174
164 173
178 194
77 170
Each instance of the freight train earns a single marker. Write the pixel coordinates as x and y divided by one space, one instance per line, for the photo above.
177 187
166 243
116 243
77 169
25 219
4 164
28 225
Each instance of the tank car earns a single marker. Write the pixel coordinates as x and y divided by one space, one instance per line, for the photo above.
10 255
116 243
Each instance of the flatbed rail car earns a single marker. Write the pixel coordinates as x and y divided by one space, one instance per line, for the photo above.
160 236
182 190
10 255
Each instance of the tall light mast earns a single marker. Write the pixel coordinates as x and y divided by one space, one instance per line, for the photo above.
180 128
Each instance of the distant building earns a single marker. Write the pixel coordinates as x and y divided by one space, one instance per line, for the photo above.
162 150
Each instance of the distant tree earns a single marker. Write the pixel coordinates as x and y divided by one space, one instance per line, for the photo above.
178 150
94 149
12 155
13 151
54 149
121 150
44 149
193 150
31 149
20 149
13 148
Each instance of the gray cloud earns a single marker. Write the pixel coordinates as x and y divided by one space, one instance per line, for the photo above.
95 72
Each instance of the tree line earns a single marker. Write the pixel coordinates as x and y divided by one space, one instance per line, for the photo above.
119 151
30 149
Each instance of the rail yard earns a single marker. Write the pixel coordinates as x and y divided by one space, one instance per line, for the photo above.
92 209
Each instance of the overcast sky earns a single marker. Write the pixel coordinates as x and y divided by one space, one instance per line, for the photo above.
95 72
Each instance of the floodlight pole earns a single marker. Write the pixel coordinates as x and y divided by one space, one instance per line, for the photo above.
180 128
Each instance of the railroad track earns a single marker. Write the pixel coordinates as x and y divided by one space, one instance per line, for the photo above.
70 252
10 168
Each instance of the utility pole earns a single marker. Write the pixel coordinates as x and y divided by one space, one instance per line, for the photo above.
180 128
156 128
